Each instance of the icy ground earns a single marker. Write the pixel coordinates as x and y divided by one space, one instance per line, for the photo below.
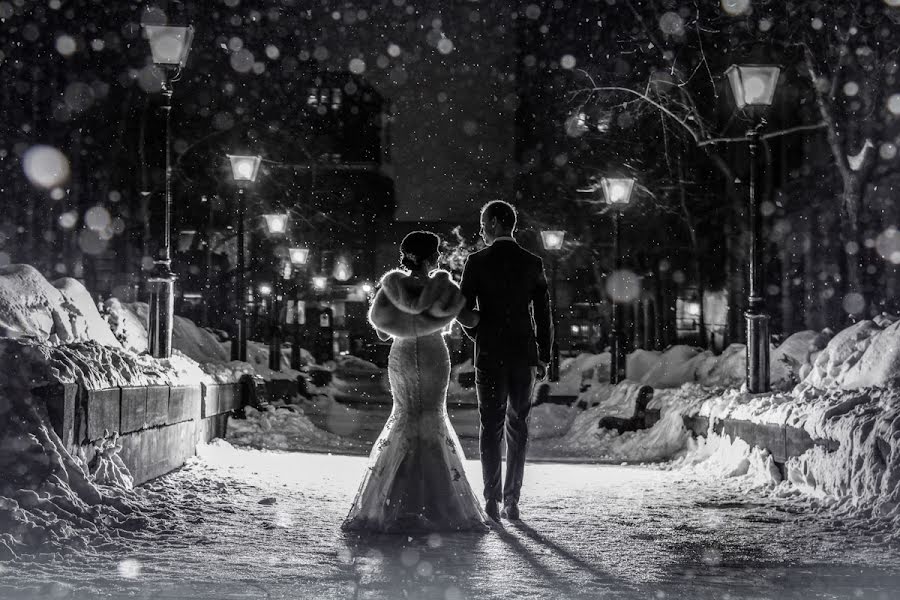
246 523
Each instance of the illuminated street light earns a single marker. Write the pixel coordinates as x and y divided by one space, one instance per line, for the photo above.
299 256
754 86
553 242
244 170
276 223
319 282
553 239
265 289
169 47
617 191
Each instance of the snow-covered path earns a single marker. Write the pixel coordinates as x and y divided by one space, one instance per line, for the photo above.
587 532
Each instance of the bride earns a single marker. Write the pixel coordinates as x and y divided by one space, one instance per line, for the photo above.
415 479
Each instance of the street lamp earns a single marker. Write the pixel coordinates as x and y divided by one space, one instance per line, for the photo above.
169 47
244 170
299 257
553 242
754 86
276 223
617 192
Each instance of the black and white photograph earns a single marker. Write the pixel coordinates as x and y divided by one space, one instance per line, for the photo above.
450 299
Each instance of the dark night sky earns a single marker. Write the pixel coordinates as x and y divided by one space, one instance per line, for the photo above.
446 69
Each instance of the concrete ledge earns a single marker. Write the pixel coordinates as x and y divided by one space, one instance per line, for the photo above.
220 398
61 400
184 403
151 453
157 405
159 426
103 412
133 409
782 441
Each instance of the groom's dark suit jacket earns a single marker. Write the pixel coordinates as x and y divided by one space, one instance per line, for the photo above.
508 285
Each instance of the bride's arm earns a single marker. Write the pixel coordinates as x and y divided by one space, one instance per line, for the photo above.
468 318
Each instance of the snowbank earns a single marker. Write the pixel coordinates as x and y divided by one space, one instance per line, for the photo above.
59 313
51 501
848 392
282 428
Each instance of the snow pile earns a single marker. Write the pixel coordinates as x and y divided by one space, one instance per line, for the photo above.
722 457
585 440
128 328
577 374
863 355
282 428
195 342
51 501
59 313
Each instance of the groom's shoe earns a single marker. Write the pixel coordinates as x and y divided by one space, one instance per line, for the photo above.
510 511
492 509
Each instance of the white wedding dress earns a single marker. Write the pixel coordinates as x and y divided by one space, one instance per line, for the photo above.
415 480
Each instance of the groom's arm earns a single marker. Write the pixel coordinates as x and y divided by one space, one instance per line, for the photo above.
467 287
542 319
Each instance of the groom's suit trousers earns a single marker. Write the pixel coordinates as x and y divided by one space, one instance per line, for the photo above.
504 401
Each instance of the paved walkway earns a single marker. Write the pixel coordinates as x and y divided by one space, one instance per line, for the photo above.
587 532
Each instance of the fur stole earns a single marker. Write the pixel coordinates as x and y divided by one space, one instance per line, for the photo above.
403 308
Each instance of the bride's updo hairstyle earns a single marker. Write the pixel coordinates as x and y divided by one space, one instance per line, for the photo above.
418 247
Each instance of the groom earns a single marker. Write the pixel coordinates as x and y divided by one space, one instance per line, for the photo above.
512 346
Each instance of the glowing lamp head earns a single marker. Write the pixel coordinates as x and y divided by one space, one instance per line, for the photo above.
319 282
753 85
244 168
299 256
553 239
276 223
617 190
265 289
367 288
169 45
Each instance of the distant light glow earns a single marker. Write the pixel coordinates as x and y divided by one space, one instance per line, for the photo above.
97 218
65 45
735 7
893 103
265 289
357 66
45 166
367 288
319 282
623 286
567 61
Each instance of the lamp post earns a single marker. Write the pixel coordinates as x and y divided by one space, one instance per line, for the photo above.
553 242
617 192
277 225
244 170
299 257
754 86
169 47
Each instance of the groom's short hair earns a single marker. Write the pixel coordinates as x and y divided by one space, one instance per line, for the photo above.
504 212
